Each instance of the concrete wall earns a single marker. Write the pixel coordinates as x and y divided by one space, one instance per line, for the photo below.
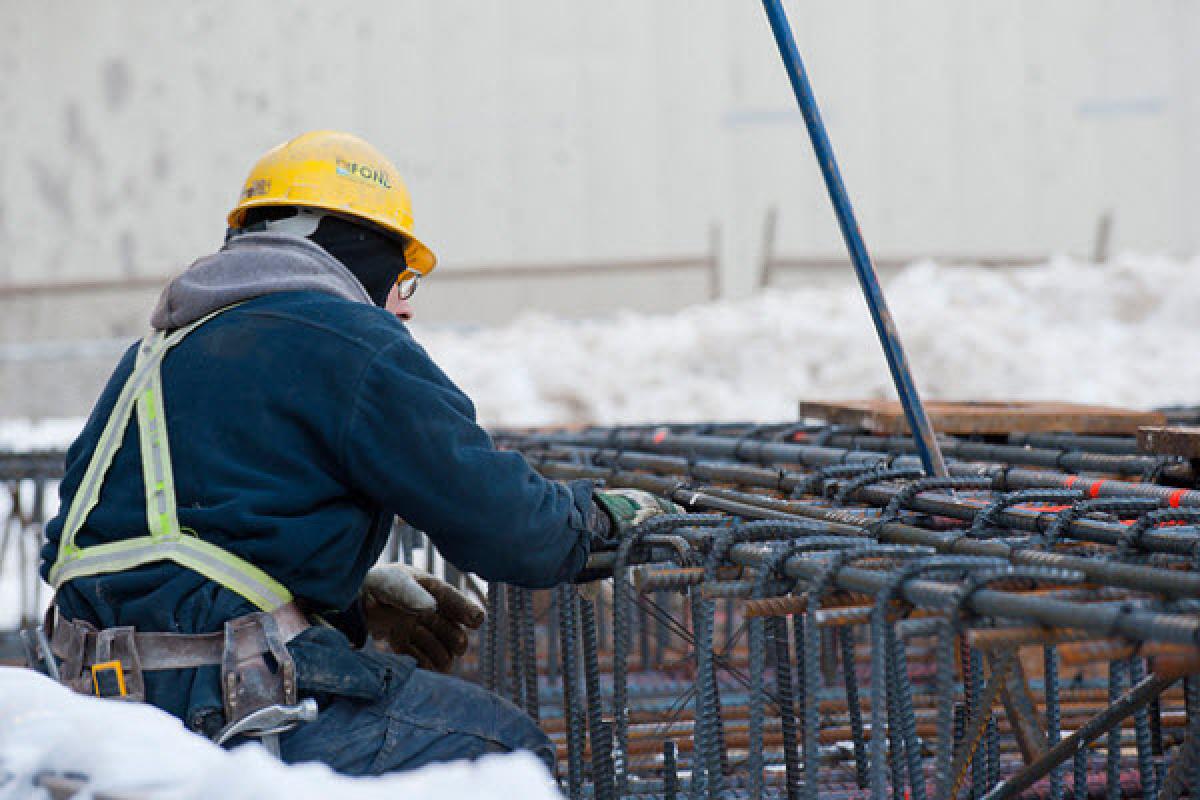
532 130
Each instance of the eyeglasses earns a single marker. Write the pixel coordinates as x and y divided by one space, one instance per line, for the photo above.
407 283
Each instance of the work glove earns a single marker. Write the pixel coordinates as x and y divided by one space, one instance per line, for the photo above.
621 511
419 615
628 508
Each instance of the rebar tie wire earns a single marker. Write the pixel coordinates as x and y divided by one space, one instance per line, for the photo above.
989 516
1118 505
1132 536
909 492
903 498
1155 471
814 483
872 477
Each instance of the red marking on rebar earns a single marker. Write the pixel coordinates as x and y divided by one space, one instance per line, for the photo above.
659 436
1071 481
1174 497
1040 508
1094 489
799 436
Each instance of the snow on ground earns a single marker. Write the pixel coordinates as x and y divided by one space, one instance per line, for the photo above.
1121 334
136 750
45 434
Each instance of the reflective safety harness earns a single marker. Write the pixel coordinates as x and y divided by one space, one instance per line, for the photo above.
166 540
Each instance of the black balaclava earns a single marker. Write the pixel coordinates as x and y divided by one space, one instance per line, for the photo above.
375 258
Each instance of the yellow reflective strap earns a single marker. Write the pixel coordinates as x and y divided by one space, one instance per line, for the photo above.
157 474
214 563
166 541
149 353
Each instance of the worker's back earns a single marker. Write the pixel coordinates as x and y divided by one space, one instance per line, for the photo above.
255 402
298 422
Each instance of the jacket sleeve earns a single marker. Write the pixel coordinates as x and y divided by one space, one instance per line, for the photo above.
410 443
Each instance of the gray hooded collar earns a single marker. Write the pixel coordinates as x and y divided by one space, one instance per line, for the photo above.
252 265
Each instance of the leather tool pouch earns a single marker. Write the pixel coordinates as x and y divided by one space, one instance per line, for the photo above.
123 676
103 663
256 668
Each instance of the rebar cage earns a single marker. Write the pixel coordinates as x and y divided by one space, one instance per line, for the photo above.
1025 626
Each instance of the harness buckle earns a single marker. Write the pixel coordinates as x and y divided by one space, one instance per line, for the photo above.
108 679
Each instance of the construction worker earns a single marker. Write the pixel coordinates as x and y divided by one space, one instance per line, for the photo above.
225 503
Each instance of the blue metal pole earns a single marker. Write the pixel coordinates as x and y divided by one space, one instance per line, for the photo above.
885 327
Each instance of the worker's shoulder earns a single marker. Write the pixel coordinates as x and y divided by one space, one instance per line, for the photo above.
318 315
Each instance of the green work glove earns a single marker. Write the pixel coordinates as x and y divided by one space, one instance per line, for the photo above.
628 508
417 614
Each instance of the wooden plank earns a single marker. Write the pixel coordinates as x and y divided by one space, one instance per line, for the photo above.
887 417
1171 440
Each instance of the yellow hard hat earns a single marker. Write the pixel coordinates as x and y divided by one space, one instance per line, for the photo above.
340 173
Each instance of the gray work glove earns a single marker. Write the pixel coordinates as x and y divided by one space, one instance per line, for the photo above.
628 508
419 615
624 509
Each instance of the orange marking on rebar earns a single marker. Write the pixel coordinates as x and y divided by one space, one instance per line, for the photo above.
1071 481
1094 489
1174 497
659 436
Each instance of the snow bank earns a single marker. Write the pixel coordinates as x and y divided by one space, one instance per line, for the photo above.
46 434
1121 333
137 749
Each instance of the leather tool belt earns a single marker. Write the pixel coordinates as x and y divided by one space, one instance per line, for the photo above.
256 668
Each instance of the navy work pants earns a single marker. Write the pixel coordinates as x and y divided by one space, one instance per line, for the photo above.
425 719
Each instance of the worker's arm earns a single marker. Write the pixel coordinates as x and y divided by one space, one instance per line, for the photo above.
411 444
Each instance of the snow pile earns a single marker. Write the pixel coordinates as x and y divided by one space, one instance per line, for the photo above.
135 749
47 434
1120 334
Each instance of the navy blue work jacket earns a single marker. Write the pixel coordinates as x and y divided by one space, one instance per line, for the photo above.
298 424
